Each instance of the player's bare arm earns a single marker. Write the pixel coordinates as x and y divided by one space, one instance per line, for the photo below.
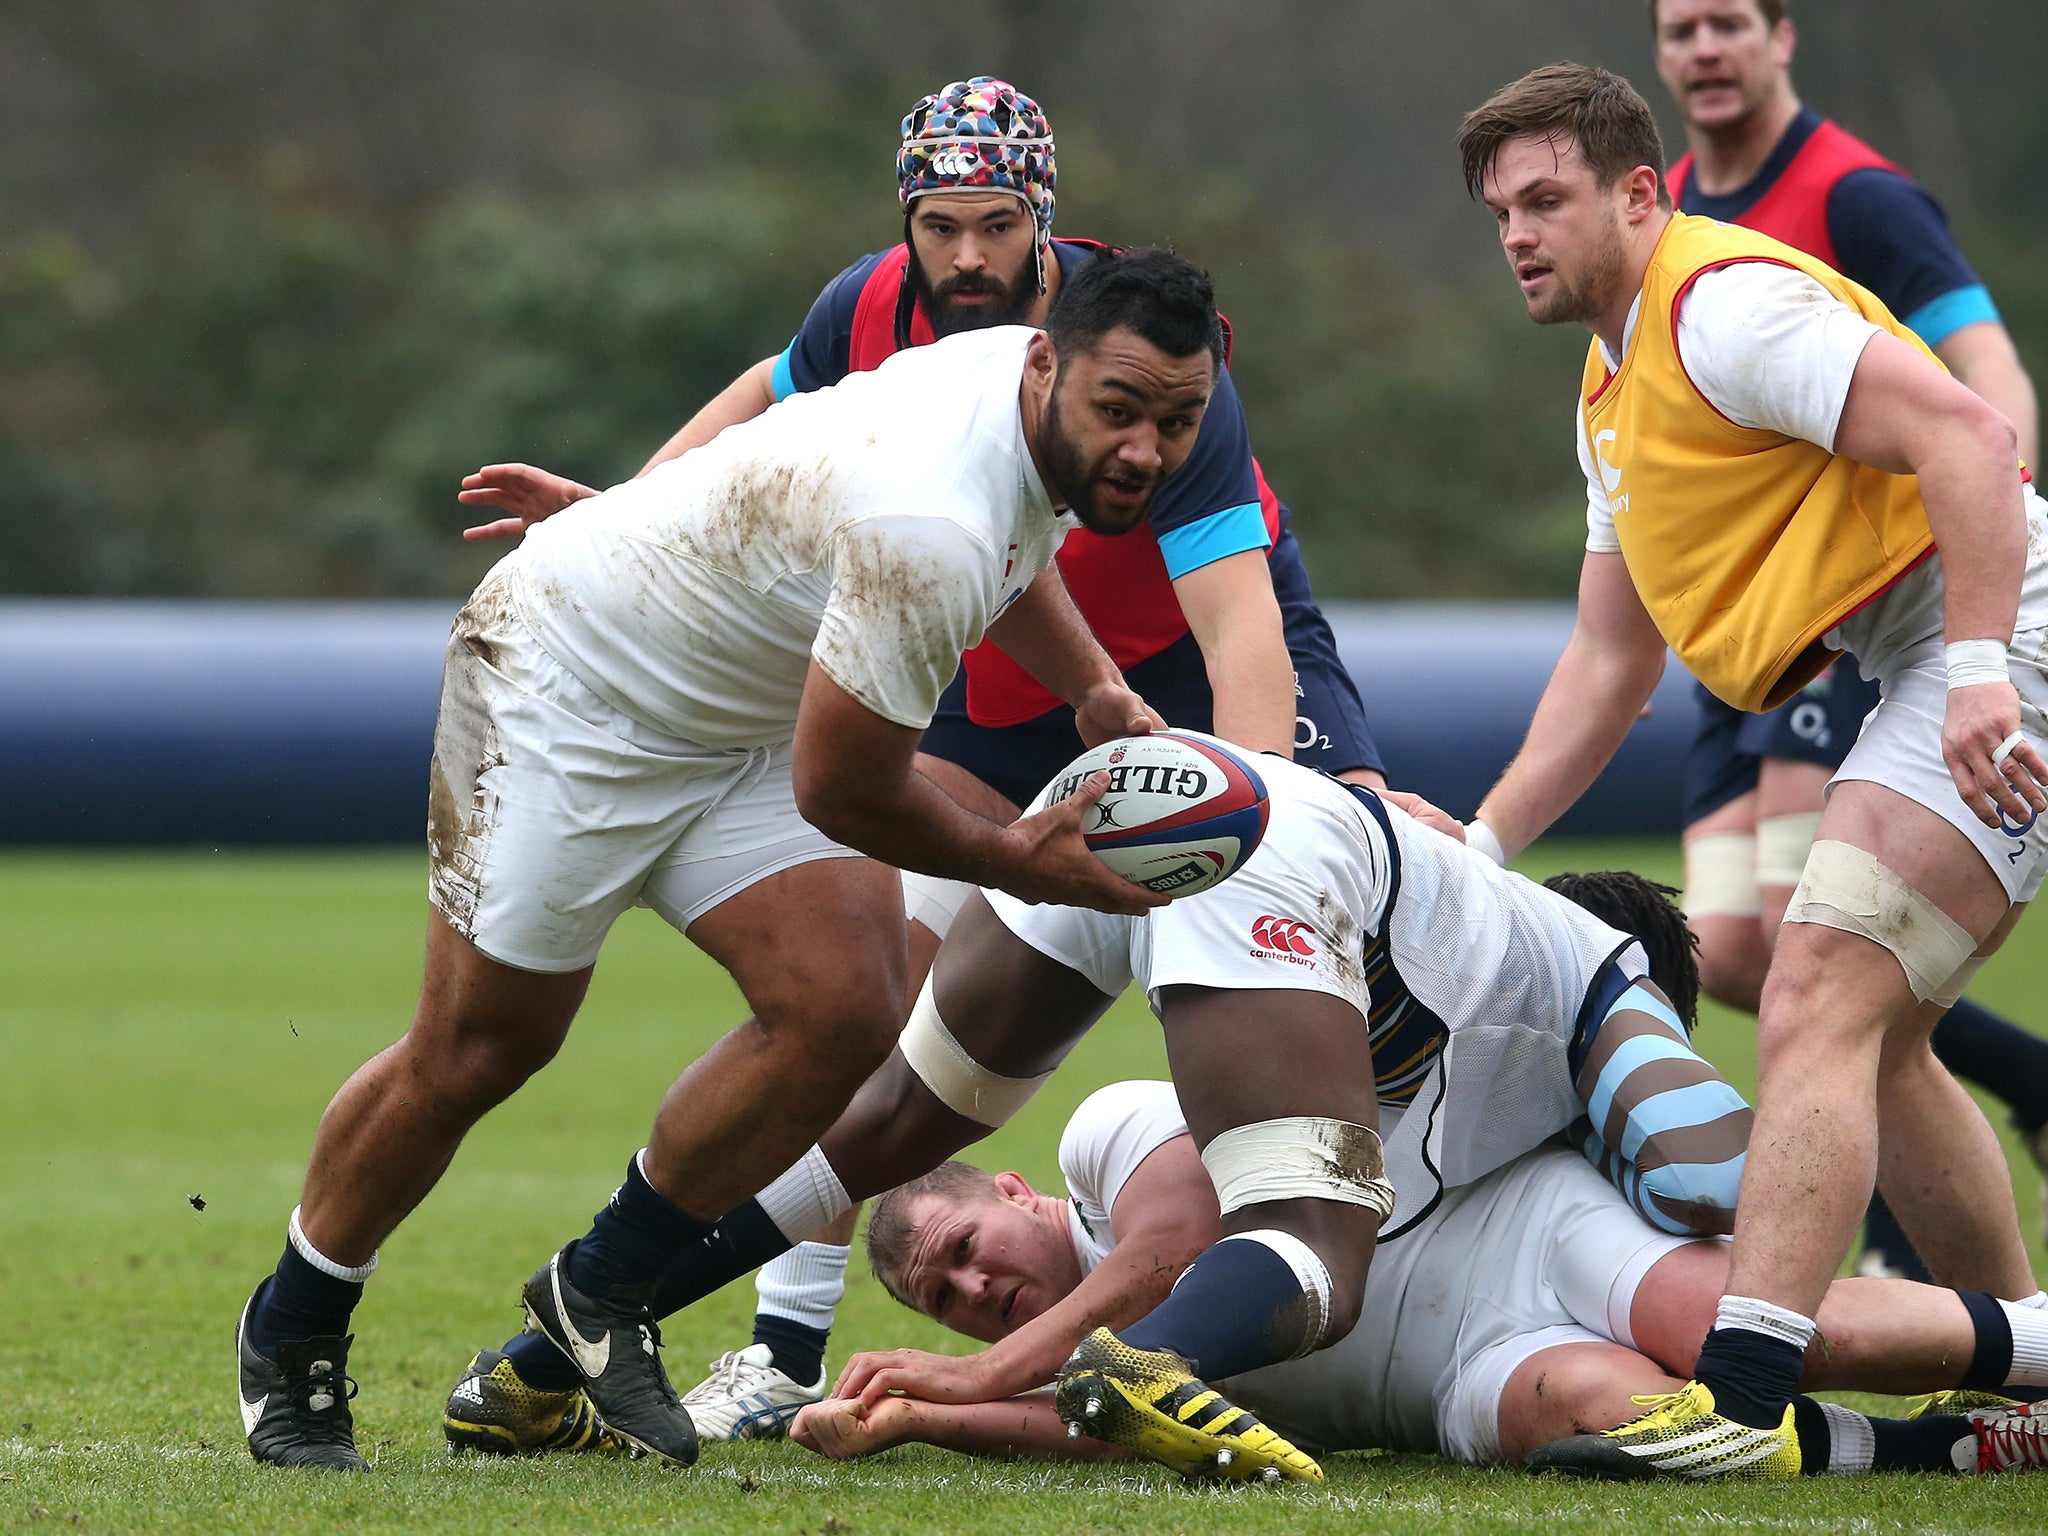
1165 1216
1019 1427
1606 675
1907 417
1045 634
857 782
742 400
1983 357
1235 618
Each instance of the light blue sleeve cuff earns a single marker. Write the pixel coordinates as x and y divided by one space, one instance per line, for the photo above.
1207 540
1934 323
783 382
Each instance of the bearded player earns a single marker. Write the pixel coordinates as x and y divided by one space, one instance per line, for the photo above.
1778 471
704 694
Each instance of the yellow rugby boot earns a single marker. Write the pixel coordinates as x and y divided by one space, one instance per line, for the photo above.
494 1412
1680 1436
1149 1402
1961 1401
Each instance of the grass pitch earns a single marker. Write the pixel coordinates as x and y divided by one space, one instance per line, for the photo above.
172 1026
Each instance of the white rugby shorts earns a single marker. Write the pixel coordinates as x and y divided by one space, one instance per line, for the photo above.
551 812
1900 748
1541 1254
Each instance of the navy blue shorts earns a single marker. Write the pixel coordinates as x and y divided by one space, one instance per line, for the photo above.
1329 730
1819 725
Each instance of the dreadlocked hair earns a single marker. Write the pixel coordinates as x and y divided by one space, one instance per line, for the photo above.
1623 899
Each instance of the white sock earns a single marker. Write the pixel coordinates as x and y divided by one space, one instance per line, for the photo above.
319 1260
1852 1443
1773 1322
2038 1301
805 1285
2029 1323
806 1198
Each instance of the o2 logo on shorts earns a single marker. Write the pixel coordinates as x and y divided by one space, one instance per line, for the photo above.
1809 722
1282 938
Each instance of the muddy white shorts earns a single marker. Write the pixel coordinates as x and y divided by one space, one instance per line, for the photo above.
551 812
1541 1253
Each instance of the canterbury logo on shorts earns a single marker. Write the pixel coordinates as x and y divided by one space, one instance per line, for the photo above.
1282 938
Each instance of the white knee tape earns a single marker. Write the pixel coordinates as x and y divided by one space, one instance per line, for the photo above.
1720 876
1782 844
1951 991
1302 1158
1846 887
955 1078
933 902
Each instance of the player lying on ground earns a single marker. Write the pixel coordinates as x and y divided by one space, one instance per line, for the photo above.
703 693
1206 606
1523 1307
1777 472
1358 956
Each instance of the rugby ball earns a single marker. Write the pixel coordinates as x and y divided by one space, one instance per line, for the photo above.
1181 813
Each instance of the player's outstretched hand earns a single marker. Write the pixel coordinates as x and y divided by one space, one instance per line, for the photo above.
842 1430
531 495
1997 771
1112 711
876 1375
1051 864
1421 810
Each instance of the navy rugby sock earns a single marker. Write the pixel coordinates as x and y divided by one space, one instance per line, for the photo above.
798 1348
1999 1057
632 1240
1751 1375
300 1302
542 1366
744 1239
1238 1307
1836 1439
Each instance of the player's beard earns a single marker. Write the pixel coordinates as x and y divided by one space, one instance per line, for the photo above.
1594 293
1073 480
1009 303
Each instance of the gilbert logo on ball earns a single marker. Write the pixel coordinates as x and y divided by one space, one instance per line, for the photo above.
1182 810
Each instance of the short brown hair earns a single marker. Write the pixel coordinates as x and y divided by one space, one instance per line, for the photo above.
1772 11
1578 104
891 1231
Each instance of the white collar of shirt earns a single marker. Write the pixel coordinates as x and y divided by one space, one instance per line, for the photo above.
1628 333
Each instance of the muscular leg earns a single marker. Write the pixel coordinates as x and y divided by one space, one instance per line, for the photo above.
480 1030
1735 941
1574 1389
2006 1061
1833 1002
1013 1011
1784 788
1238 1058
1934 1154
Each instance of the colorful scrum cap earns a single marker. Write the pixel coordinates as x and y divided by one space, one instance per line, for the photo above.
980 135
1183 811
